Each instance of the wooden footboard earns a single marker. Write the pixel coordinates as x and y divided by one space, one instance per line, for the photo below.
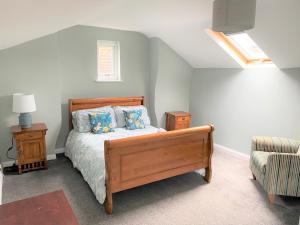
135 161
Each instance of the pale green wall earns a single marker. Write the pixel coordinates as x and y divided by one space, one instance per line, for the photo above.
78 67
170 81
63 65
30 68
244 103
78 59
241 103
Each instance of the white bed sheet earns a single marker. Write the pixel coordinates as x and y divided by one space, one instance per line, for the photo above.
86 151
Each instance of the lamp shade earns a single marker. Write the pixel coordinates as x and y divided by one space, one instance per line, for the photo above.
233 16
23 103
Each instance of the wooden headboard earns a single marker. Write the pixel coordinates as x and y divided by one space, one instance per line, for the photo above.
89 103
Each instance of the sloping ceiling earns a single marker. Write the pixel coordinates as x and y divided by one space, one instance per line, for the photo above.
179 23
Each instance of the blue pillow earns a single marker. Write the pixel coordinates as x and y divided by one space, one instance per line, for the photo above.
133 119
101 122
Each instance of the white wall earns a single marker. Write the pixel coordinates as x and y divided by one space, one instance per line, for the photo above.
170 81
244 103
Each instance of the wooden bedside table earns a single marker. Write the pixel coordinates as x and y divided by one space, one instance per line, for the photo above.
177 120
31 147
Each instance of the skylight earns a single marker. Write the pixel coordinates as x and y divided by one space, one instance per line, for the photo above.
242 48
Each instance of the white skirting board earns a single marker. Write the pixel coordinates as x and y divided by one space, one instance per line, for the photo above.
11 162
49 157
216 147
231 151
59 150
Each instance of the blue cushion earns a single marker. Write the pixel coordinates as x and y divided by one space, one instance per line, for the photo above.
133 119
101 122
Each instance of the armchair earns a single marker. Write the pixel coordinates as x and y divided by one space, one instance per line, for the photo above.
275 164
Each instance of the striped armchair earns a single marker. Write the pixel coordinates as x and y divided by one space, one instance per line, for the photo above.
275 164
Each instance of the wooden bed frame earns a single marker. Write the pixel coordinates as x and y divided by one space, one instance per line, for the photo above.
135 161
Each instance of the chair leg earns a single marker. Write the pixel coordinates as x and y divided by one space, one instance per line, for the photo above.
271 198
254 177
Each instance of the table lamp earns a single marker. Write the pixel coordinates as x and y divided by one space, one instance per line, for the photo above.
24 104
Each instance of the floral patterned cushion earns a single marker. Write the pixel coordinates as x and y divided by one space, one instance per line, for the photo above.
133 119
119 114
81 120
101 122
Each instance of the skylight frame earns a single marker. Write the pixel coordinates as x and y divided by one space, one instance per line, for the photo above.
232 48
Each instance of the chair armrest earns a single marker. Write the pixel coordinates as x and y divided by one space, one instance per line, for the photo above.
282 174
275 144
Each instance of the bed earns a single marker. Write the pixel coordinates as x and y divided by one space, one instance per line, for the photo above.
124 159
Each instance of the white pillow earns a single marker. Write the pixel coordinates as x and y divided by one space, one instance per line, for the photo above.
81 120
120 114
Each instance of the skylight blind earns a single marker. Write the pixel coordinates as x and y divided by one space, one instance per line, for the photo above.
108 61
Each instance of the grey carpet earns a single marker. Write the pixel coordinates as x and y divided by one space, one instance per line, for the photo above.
231 198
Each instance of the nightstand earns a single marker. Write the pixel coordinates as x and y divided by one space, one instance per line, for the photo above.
177 120
31 147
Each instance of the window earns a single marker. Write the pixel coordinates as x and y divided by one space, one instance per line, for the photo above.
242 48
108 61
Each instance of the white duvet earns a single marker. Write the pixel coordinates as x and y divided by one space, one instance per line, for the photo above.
86 151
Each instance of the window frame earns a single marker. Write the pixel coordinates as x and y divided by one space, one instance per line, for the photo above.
116 77
228 45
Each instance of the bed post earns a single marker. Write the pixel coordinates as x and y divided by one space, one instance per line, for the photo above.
208 171
70 114
109 200
143 100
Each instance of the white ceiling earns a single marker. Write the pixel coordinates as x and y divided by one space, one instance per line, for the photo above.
179 23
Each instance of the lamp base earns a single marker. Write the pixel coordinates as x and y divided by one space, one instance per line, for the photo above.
25 120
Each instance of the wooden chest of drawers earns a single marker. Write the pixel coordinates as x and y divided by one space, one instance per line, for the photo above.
177 120
31 147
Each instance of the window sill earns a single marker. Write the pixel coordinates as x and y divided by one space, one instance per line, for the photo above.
107 81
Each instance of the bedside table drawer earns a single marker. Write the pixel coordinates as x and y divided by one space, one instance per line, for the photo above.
182 124
182 118
30 135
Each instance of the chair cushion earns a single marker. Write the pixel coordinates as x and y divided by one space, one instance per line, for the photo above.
259 160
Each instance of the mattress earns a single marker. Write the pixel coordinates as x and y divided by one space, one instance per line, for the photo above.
86 151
